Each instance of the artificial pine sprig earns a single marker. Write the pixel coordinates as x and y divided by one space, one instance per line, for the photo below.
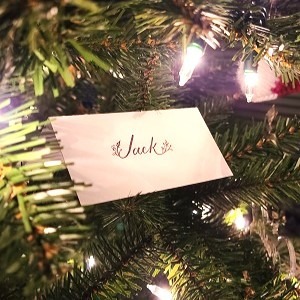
40 215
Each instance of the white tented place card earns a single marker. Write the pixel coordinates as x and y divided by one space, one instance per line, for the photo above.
123 154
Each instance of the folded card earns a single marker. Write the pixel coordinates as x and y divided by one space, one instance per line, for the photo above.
123 154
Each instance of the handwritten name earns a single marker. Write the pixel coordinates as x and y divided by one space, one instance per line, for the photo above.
133 149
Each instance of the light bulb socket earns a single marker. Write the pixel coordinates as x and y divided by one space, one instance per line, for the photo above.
249 66
196 45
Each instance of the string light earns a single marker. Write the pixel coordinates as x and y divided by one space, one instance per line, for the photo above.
194 52
240 222
250 77
238 218
159 292
91 262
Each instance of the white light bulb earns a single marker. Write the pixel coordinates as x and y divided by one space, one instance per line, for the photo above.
251 78
91 262
240 223
193 54
159 292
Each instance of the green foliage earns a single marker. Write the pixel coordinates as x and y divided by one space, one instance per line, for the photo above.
193 270
98 56
40 217
138 238
54 41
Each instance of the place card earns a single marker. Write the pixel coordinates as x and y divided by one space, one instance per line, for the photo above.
123 154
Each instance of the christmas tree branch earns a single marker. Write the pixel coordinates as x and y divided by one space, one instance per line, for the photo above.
40 216
55 44
118 270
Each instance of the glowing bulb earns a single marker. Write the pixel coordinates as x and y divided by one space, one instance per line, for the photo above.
240 222
238 218
159 292
195 212
91 262
251 78
193 54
